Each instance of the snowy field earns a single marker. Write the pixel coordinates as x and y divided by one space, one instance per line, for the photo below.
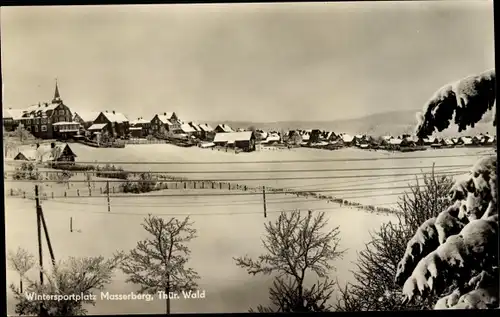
228 226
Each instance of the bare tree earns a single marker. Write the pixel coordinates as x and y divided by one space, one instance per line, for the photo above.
158 264
67 279
21 261
297 245
456 252
374 287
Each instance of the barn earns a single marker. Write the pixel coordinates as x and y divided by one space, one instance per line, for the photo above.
48 153
26 155
244 140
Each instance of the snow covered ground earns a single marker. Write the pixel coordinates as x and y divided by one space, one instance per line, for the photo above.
228 226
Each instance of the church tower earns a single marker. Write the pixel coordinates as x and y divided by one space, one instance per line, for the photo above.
57 96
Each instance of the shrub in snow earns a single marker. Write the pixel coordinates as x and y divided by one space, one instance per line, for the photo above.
456 253
373 287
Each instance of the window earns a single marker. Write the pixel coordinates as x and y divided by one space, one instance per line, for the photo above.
36 128
61 119
37 121
55 128
44 120
61 112
28 128
44 128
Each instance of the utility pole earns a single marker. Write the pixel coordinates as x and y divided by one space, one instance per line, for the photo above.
39 232
51 251
107 193
40 254
264 199
40 221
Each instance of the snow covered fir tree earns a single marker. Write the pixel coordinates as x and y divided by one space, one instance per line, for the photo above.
455 254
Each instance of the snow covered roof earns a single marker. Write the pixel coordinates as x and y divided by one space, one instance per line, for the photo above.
347 138
321 143
42 107
225 128
66 123
330 134
387 137
115 117
206 145
186 128
205 127
273 137
233 136
6 114
87 116
29 154
195 126
395 141
45 152
139 121
164 119
16 114
467 140
97 126
135 128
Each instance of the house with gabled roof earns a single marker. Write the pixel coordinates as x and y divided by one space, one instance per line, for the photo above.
85 118
139 128
221 128
187 129
466 141
39 119
271 138
347 139
165 122
116 123
488 140
242 140
48 153
206 127
206 131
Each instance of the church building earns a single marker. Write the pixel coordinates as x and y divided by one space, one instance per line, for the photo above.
50 120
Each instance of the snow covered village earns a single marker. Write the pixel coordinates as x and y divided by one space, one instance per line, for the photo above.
225 158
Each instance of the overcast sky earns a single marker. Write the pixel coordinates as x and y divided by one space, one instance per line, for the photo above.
250 62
